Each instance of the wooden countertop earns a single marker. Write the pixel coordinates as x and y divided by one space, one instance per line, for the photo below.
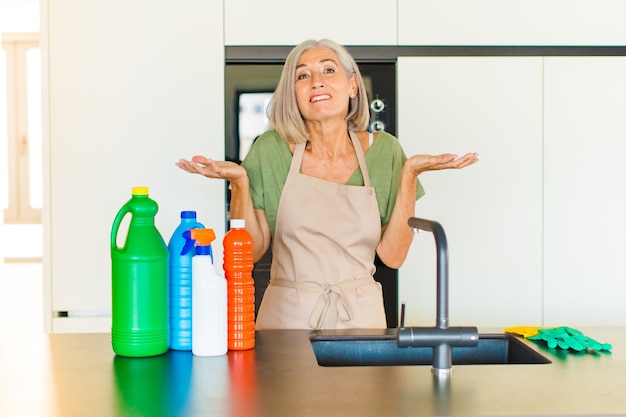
79 375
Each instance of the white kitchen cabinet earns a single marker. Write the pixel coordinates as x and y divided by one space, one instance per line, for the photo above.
133 87
585 202
491 211
288 22
497 22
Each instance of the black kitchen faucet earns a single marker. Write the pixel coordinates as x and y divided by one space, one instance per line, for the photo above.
441 337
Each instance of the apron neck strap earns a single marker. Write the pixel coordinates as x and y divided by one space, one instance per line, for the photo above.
360 155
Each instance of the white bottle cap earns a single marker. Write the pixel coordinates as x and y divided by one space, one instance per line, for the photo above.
237 223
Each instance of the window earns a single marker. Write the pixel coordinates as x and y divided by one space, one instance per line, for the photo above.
20 128
251 117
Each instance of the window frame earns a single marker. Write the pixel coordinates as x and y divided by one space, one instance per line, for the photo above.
20 209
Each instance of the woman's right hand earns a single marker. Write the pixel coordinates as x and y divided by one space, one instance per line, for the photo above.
241 202
210 168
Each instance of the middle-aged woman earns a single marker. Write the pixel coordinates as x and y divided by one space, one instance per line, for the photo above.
327 194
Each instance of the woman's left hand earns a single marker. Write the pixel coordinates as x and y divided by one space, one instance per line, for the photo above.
422 163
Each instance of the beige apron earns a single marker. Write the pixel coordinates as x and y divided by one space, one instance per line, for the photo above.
323 254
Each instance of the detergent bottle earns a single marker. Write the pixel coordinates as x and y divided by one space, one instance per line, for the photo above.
209 303
139 281
180 282
238 266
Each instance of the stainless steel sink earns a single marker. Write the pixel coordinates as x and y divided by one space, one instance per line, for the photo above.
354 348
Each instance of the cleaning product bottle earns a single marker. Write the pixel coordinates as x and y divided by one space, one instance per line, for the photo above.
180 282
209 304
238 265
139 281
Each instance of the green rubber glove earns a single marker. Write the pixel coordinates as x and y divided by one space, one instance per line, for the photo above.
568 338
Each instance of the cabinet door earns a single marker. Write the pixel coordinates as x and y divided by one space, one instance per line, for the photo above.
585 201
125 103
285 22
497 22
491 211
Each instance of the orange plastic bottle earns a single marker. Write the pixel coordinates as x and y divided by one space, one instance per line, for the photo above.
238 265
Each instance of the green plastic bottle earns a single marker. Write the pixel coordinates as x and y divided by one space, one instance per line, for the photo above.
139 273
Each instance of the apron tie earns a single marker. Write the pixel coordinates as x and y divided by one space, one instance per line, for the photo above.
331 304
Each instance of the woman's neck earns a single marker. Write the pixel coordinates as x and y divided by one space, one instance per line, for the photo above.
330 155
329 141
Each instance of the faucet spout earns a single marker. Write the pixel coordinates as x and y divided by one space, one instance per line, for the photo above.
441 337
441 243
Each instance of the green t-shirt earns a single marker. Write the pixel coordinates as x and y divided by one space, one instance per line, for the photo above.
269 159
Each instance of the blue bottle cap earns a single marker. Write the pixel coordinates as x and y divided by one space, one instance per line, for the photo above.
204 250
187 214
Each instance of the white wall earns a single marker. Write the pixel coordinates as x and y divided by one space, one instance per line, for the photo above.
284 22
133 87
492 211
427 22
498 22
536 228
584 199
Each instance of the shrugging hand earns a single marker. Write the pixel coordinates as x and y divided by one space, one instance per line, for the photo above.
422 163
225 170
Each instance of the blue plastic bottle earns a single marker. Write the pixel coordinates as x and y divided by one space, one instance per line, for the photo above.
180 283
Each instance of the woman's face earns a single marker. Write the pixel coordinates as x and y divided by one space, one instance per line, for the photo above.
323 88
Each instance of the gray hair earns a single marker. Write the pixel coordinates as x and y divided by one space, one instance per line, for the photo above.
283 112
